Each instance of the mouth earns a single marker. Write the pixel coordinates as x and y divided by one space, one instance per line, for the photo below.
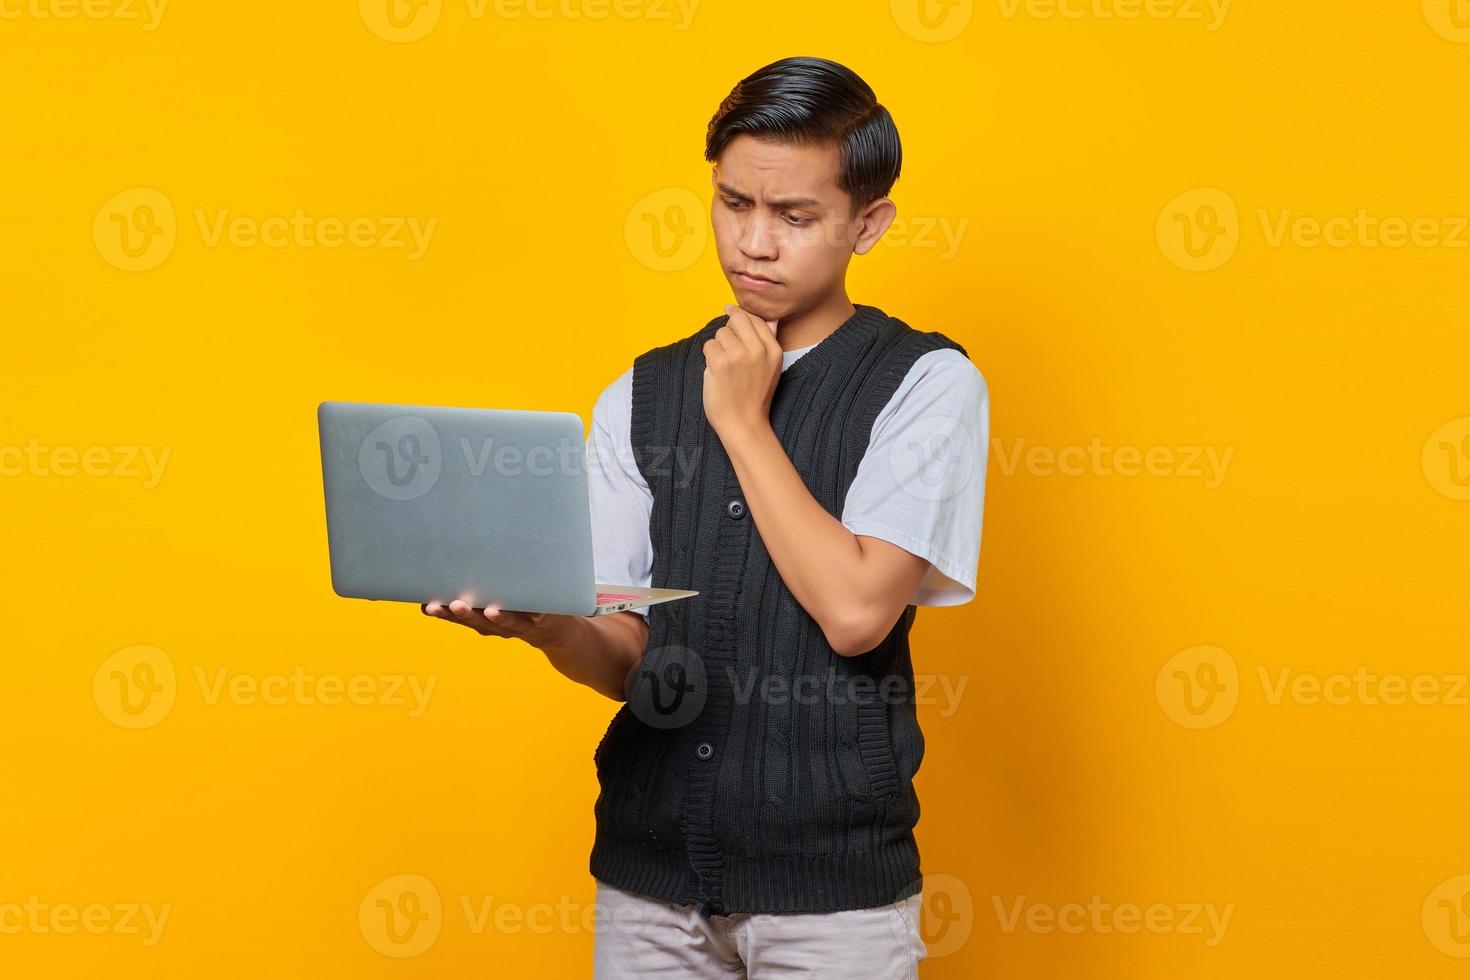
754 281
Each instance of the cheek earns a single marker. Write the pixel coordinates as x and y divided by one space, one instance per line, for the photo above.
725 220
726 233
813 257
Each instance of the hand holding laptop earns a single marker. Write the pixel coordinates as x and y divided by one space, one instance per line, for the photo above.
537 629
480 517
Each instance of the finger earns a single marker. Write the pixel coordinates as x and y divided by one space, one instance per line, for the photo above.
506 623
467 615
741 325
727 340
511 623
757 334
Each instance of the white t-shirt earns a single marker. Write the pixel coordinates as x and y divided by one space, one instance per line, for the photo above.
920 485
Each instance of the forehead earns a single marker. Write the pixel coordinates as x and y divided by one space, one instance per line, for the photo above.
767 169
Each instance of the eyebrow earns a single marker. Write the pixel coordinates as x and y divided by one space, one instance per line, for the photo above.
784 202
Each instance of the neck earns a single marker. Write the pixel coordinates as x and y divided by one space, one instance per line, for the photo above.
811 327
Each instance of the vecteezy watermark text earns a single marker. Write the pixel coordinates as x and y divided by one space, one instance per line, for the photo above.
35 459
1208 463
37 917
1204 919
137 229
147 13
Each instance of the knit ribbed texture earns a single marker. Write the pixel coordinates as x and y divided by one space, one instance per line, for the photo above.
791 788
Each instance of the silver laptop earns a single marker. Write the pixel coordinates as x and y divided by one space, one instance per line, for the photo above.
485 505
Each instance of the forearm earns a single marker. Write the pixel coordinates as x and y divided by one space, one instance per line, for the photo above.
597 651
819 559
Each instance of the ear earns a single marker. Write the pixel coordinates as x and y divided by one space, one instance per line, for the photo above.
872 221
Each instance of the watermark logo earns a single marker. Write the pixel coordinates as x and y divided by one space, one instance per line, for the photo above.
400 21
667 688
1450 19
404 915
401 916
932 21
1446 917
946 915
1198 687
135 687
1446 459
401 458
136 229
1199 230
666 230
937 459
139 686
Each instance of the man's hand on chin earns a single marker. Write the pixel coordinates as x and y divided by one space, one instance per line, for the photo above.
742 364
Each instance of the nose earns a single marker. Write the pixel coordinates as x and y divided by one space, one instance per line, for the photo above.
757 236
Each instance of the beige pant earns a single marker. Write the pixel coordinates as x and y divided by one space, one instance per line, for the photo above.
639 938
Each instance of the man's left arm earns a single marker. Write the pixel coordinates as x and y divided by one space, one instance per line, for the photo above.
855 586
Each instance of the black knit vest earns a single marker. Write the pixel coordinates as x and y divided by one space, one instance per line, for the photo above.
753 769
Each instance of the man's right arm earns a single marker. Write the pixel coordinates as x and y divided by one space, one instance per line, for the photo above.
598 651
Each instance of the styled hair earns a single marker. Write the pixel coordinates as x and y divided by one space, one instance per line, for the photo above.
813 101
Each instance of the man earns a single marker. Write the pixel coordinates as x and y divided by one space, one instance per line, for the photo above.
815 469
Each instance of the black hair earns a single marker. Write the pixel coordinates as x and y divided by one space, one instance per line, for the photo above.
814 101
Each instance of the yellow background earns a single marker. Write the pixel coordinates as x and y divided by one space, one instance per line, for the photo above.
1070 769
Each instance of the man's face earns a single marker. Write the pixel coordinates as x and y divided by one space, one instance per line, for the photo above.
779 215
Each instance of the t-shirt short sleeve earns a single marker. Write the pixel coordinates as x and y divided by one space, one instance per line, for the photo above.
921 483
620 498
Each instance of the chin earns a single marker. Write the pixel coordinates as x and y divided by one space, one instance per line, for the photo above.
758 306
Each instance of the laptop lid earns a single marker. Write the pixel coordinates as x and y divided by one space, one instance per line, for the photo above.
485 505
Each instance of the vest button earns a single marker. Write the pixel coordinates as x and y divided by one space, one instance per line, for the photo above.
736 509
704 750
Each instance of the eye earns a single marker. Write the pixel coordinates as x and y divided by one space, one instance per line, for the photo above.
798 222
733 203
